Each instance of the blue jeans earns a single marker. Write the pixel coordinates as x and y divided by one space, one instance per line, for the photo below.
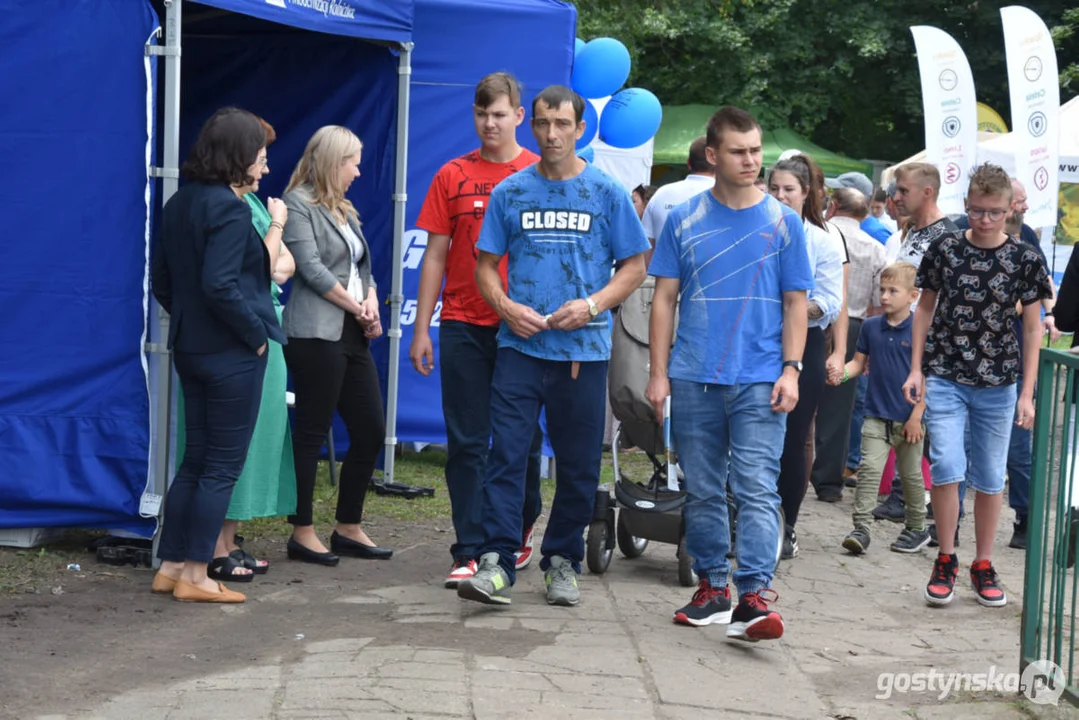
466 356
952 410
854 458
1020 457
721 432
222 392
576 414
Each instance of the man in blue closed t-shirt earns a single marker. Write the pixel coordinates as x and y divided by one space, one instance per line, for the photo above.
735 261
564 224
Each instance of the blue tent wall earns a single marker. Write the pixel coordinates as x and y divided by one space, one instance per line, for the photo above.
74 422
457 43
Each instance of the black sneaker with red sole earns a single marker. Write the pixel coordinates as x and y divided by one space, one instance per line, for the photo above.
709 606
986 584
752 620
941 587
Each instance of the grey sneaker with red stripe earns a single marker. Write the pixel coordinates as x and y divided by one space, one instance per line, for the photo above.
709 605
752 620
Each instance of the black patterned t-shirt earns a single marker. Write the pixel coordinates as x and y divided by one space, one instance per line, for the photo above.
972 339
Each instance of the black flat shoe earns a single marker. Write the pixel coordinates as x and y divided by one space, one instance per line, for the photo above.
296 551
347 546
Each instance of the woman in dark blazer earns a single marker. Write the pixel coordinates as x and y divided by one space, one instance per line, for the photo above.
330 319
211 273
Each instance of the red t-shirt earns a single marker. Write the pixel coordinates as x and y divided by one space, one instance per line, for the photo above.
455 206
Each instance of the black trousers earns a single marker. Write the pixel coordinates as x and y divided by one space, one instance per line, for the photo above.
833 425
792 465
222 393
328 376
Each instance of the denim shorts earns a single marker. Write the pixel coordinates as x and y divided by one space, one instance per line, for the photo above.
989 412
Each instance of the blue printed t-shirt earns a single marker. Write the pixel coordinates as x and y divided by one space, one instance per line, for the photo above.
563 238
733 267
888 348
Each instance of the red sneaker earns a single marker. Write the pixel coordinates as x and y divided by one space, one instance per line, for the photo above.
984 579
752 620
523 557
461 570
941 587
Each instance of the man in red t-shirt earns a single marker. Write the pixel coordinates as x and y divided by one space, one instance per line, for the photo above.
452 215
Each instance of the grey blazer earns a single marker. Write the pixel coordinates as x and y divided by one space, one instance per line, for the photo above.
322 257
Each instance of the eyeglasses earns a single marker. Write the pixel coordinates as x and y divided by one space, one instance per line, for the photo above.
263 162
978 214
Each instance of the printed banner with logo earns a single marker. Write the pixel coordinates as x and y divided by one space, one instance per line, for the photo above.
1034 87
951 112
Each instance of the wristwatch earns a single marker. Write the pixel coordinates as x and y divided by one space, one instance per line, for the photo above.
796 364
593 309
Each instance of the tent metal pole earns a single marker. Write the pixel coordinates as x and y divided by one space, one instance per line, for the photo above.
169 184
400 196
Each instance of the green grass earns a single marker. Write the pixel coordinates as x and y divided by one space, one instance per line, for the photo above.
23 571
426 469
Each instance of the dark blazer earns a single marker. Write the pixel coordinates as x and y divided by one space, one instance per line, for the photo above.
322 258
211 273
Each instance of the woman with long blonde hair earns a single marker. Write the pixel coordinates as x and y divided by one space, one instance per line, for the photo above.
330 319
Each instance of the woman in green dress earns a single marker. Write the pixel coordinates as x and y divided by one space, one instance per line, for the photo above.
267 486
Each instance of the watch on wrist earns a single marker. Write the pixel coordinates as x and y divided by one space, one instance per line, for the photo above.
593 309
796 364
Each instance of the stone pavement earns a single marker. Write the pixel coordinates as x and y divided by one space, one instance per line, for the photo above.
421 653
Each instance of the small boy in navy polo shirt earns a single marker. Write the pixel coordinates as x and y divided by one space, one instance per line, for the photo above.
890 421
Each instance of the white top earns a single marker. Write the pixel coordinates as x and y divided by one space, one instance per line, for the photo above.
669 197
826 258
355 286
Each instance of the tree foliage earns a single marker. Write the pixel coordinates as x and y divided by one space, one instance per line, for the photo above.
842 72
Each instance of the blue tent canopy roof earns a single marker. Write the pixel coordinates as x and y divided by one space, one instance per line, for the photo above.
368 19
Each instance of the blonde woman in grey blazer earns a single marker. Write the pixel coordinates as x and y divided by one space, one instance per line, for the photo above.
330 319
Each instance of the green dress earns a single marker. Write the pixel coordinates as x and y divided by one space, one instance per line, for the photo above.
267 485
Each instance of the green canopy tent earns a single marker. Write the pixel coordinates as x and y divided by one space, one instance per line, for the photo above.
682 124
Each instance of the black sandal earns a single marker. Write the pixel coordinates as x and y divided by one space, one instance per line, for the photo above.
224 569
249 561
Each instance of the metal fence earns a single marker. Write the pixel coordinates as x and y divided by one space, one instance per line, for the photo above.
1050 588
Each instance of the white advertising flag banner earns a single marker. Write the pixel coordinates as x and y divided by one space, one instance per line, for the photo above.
951 113
1034 87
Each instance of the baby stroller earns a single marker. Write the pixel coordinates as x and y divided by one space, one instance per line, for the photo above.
650 509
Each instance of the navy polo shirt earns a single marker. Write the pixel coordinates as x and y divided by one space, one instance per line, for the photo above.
888 349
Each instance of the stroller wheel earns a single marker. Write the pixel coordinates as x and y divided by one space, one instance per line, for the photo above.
630 546
686 576
598 549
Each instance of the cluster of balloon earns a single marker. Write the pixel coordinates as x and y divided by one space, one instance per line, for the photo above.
631 116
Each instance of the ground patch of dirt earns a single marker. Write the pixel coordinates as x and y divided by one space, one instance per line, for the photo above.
106 633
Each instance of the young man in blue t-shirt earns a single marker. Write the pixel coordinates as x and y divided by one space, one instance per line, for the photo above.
890 422
735 260
564 224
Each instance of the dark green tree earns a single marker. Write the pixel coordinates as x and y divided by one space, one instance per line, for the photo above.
841 72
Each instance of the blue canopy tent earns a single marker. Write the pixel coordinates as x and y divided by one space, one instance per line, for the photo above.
84 437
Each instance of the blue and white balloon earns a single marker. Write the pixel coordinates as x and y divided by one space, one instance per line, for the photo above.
600 68
577 46
631 118
588 154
